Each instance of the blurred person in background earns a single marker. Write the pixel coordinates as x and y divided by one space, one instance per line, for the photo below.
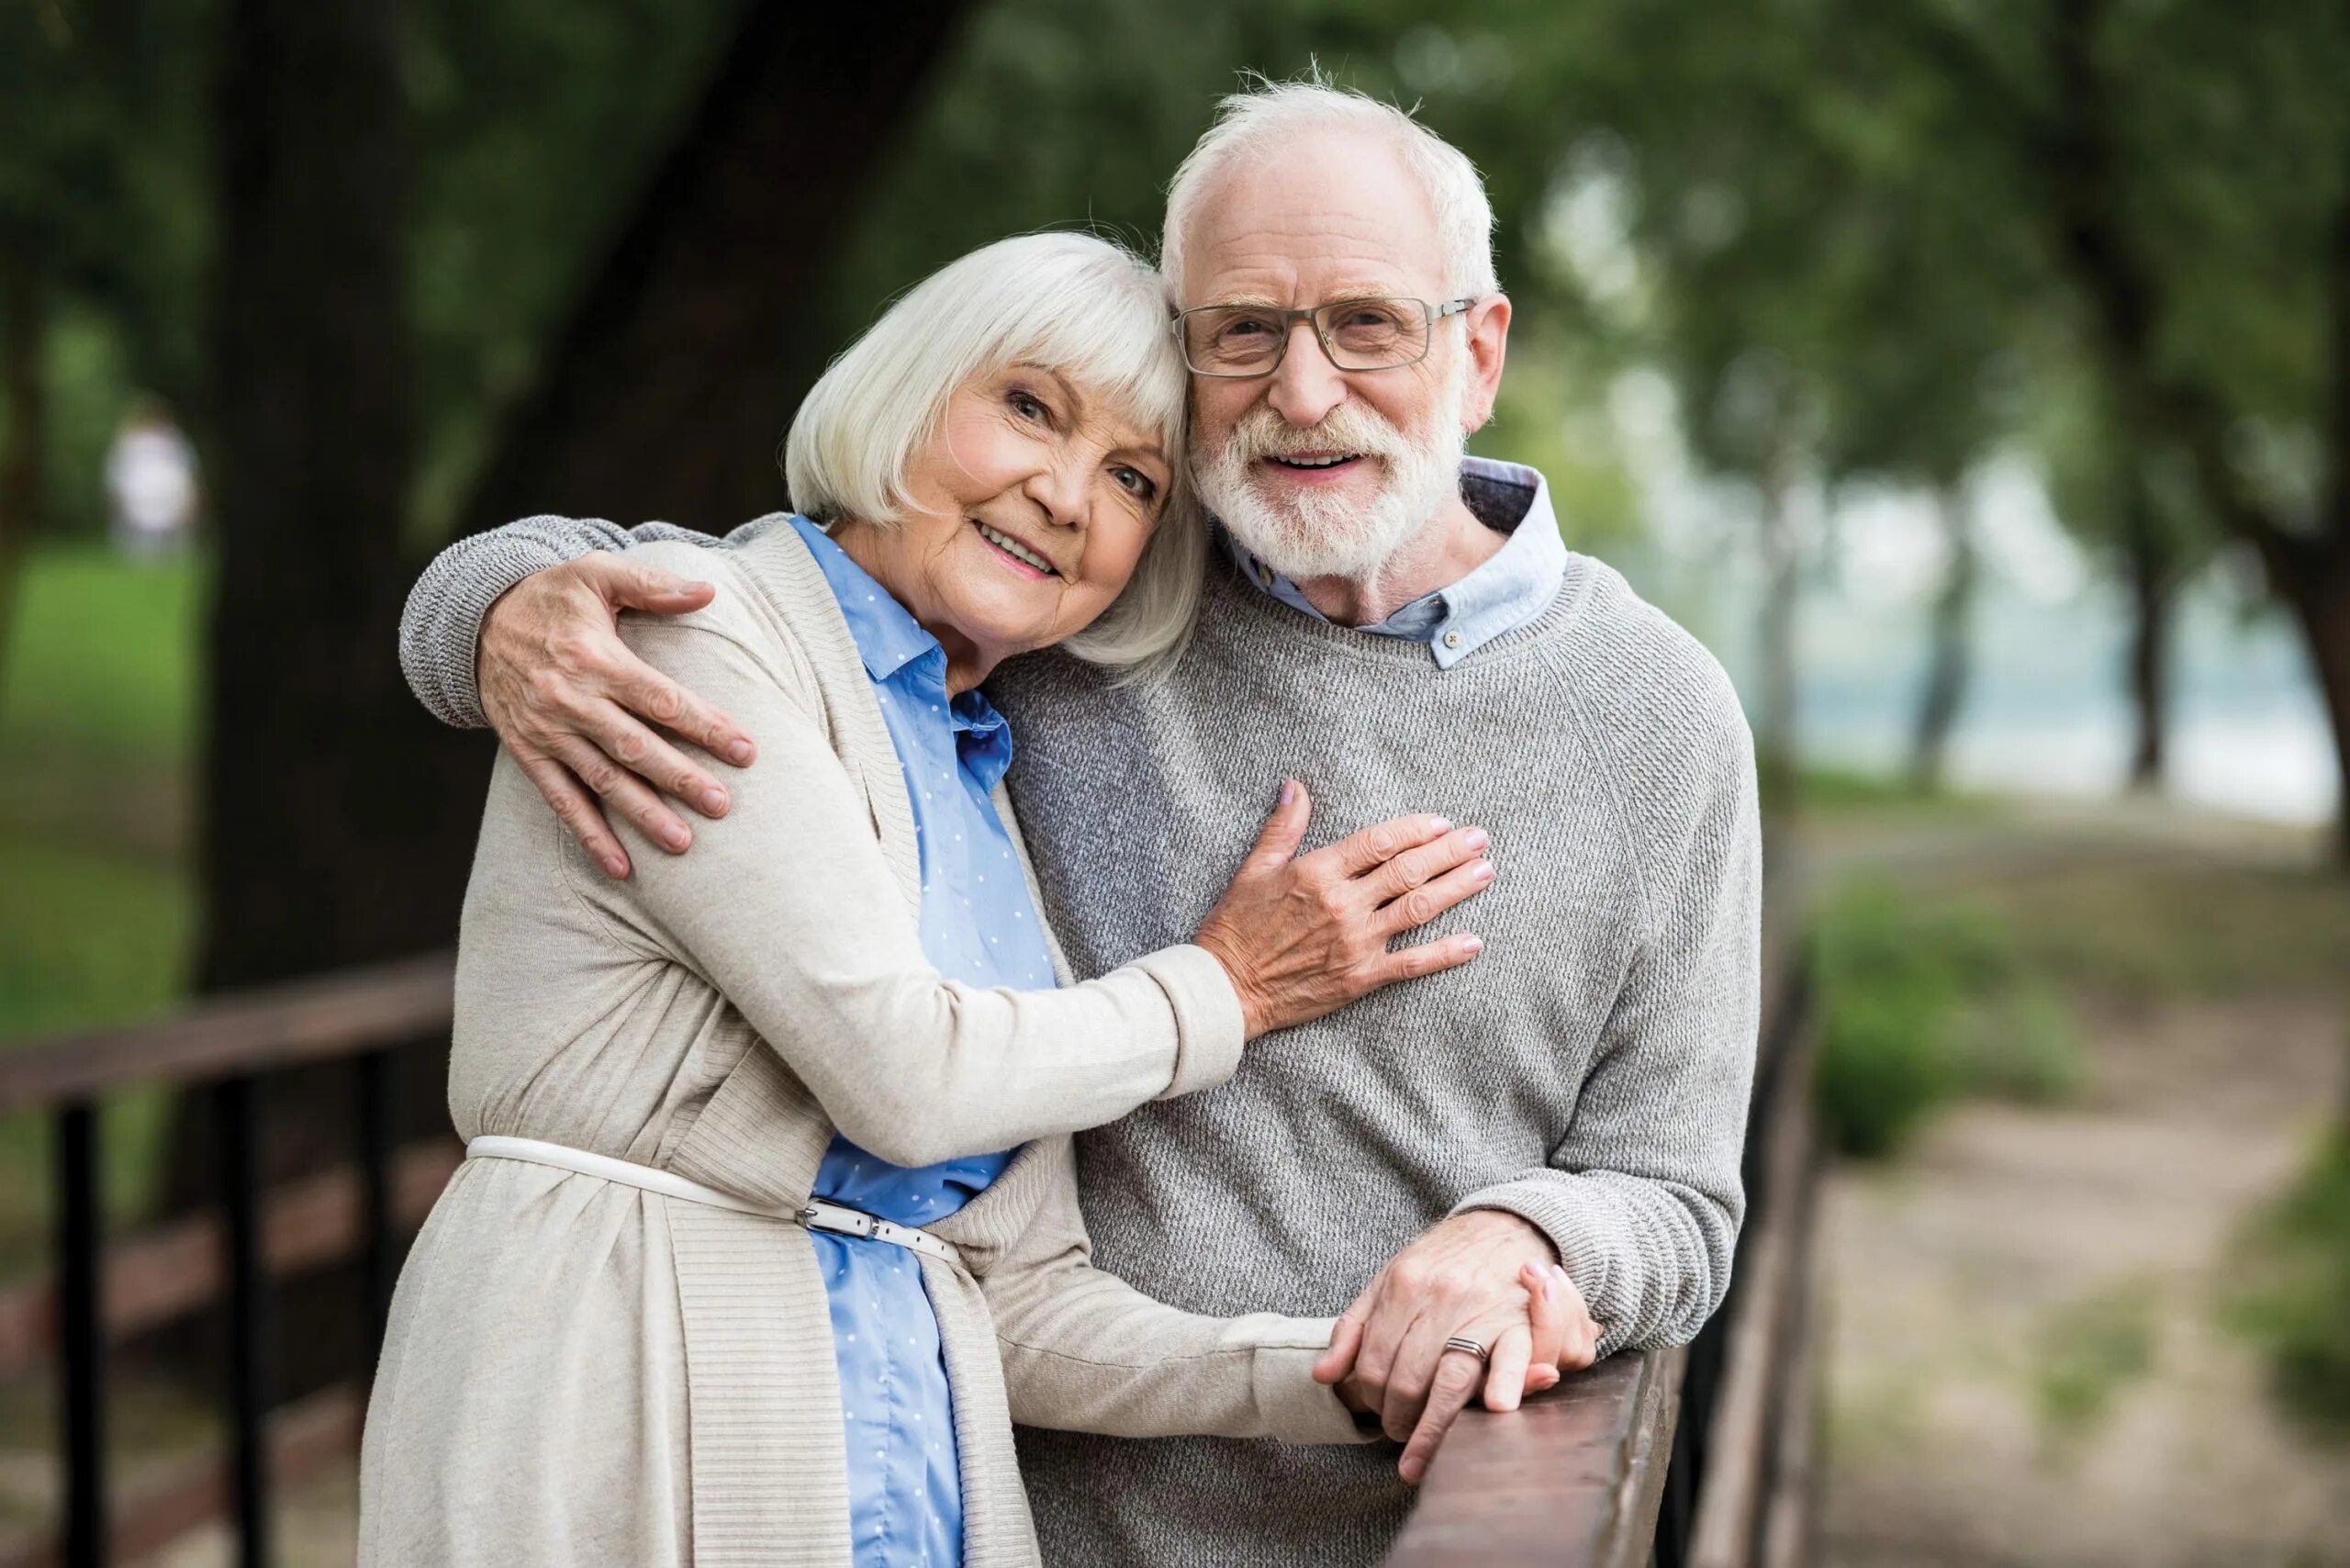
150 482
767 1144
1388 620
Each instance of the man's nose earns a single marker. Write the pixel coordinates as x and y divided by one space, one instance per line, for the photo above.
1305 384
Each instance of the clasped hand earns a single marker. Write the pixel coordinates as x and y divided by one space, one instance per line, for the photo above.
1487 1276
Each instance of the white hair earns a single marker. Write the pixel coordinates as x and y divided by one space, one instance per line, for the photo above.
1260 119
1082 306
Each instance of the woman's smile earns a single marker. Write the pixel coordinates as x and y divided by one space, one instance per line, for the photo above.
1016 554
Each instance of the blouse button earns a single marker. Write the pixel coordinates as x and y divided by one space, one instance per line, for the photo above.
1452 639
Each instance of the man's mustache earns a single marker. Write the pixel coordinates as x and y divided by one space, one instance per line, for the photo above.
1264 433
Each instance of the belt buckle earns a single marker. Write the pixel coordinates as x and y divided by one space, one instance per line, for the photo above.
843 1222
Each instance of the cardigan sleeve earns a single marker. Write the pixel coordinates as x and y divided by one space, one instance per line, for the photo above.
1084 1352
788 908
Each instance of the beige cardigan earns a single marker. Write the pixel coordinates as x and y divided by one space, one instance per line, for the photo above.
577 1371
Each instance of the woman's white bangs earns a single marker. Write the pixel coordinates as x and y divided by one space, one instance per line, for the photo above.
1112 336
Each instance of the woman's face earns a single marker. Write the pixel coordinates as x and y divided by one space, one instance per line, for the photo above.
1028 513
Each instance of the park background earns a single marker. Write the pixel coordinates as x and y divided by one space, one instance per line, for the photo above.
1973 380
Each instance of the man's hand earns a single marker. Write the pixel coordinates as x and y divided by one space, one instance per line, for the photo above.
566 694
1480 1276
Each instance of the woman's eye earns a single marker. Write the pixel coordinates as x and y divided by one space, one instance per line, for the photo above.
1136 482
1029 406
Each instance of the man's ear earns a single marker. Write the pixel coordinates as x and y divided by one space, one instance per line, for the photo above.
1488 343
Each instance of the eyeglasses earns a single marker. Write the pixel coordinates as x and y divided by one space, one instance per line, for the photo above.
1242 341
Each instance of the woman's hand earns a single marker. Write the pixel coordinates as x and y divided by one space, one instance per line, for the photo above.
1531 1347
1303 935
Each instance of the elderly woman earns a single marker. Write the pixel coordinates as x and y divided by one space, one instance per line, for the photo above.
767 1143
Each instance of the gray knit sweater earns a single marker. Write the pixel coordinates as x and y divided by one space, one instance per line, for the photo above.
1590 1071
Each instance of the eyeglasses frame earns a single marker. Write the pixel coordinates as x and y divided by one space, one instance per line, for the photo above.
1310 314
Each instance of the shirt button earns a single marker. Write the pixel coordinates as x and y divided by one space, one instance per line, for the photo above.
1452 639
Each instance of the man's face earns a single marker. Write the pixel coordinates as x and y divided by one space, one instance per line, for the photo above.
1332 217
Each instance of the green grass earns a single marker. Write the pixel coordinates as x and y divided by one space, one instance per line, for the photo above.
2085 1354
103 655
97 725
2294 1299
2175 930
1821 787
99 722
86 936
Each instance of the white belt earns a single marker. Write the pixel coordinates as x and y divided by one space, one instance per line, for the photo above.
815 1213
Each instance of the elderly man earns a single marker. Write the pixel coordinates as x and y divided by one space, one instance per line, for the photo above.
1400 627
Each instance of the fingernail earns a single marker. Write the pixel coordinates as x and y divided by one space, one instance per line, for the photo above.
1550 1286
739 753
677 838
1483 871
1473 944
1477 839
1444 824
615 867
1289 793
713 801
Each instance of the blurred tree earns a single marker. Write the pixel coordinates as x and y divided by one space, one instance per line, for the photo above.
319 840
1829 317
658 396
56 201
2188 176
2133 507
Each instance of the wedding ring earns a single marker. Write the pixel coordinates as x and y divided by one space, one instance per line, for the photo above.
1458 1342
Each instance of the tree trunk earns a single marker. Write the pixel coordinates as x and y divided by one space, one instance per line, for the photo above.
2321 602
669 390
25 410
1946 668
336 814
2152 597
339 819
328 838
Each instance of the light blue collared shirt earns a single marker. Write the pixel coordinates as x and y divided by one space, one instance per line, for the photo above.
1512 587
978 926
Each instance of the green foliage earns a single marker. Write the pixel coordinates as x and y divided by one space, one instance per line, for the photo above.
1886 1000
2295 1301
1923 999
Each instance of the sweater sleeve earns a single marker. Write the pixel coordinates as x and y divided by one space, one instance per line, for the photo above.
441 627
789 907
1643 1197
1084 1352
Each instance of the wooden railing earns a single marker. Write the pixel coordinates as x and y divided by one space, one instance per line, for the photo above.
1691 1456
100 1293
1695 1455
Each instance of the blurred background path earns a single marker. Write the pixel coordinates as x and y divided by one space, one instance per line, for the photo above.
2036 1352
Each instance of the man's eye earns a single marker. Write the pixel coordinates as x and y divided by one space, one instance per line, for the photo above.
1247 328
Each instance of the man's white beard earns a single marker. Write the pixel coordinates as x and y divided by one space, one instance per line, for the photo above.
1310 534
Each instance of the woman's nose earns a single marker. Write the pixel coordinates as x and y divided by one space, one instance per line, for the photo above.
1061 489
